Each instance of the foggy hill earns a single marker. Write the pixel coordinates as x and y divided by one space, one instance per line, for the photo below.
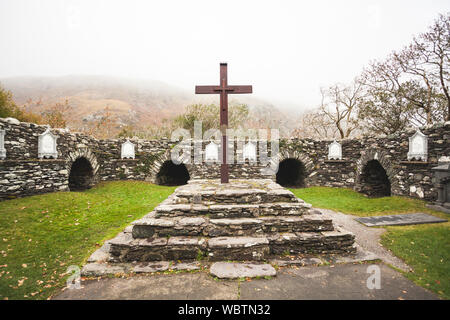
134 102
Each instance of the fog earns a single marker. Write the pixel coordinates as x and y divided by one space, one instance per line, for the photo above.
286 49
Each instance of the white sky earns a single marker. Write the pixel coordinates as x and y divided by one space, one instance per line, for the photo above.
285 49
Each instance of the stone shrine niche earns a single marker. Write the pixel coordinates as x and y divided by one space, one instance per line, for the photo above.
127 150
418 147
47 145
2 145
249 152
211 152
334 151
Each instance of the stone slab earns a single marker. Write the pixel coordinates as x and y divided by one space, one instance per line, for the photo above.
100 255
438 208
360 255
186 266
296 262
101 269
149 267
399 220
236 242
231 270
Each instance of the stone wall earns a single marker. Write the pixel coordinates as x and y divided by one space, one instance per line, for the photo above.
22 173
407 178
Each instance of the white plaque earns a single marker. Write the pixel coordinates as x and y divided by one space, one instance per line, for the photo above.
2 145
47 145
334 151
249 152
418 147
211 152
127 150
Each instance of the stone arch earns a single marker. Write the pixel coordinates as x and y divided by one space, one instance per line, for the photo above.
83 168
375 160
158 163
171 174
297 161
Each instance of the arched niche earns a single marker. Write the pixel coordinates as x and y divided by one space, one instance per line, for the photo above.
374 180
171 174
291 173
81 175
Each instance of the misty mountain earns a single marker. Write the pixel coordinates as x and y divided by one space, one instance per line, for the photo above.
132 101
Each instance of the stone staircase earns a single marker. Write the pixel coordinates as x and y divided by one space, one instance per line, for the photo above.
244 220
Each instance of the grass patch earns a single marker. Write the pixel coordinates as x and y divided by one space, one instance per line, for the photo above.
42 235
426 248
352 202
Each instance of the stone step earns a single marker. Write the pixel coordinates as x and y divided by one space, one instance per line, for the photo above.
328 242
203 226
124 248
232 210
236 192
238 248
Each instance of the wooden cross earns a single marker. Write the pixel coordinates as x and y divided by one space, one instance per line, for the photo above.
224 89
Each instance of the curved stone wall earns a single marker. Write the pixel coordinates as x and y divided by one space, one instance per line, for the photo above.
23 173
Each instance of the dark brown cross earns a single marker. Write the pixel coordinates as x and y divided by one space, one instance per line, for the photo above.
224 89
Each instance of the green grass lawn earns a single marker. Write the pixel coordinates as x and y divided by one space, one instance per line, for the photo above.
426 248
42 235
349 201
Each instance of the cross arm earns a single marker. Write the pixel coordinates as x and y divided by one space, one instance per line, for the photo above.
217 89
205 89
240 89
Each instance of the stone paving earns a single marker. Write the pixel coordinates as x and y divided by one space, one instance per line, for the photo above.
347 281
400 219
233 270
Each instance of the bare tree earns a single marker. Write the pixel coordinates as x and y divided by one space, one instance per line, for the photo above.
384 112
340 104
431 52
315 124
417 75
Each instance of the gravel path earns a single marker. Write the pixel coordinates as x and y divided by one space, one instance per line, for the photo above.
367 237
